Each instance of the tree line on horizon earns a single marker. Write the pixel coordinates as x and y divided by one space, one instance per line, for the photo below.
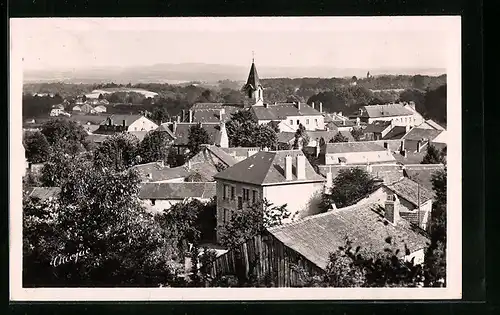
337 94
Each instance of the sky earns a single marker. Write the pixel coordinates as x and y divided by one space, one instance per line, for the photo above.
400 42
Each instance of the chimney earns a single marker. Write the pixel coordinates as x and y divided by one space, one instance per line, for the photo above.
178 119
301 166
407 128
418 146
189 164
358 121
312 105
329 180
298 105
224 139
190 115
288 167
320 107
174 127
343 122
402 145
267 105
392 209
183 115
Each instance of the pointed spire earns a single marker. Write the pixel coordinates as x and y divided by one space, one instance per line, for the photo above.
253 78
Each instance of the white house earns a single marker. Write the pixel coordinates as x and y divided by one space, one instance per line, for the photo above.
129 123
58 112
280 177
400 114
356 153
100 109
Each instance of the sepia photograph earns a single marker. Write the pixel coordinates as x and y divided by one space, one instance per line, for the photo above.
263 158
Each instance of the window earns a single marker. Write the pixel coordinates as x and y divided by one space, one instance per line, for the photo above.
225 192
254 196
224 215
240 203
291 121
316 121
298 122
232 193
153 201
246 194
307 121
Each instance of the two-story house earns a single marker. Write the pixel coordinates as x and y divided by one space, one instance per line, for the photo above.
127 123
400 114
280 177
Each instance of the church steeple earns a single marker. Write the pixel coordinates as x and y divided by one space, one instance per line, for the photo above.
253 88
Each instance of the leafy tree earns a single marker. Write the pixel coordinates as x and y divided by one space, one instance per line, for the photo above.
243 130
274 125
435 257
175 159
348 187
98 214
250 221
301 137
353 267
56 169
118 152
433 156
154 147
160 115
197 136
356 133
62 130
37 147
339 137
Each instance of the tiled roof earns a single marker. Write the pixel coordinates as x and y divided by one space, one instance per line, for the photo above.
281 111
165 127
422 173
285 136
152 172
343 123
388 110
409 190
267 167
118 119
358 146
433 124
177 190
411 157
240 152
96 138
182 132
92 119
221 154
421 133
317 236
377 126
397 132
44 193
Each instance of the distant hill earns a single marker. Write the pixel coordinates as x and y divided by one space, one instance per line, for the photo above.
206 73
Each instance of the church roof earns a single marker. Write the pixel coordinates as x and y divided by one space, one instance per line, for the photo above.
253 78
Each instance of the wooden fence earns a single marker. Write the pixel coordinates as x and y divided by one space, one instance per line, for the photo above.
264 255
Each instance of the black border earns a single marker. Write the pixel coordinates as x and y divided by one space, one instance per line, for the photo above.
472 138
